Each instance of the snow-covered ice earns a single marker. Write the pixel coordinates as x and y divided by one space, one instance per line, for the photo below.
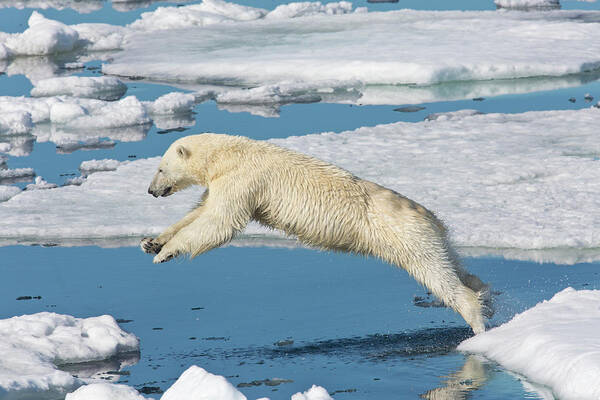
194 383
16 175
15 123
101 88
81 6
360 47
70 121
40 184
528 4
171 103
105 391
314 393
33 345
7 191
199 384
43 36
554 343
517 182
90 166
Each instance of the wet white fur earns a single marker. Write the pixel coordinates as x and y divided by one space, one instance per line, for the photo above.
323 205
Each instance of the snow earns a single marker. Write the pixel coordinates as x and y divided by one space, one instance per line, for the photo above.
40 184
314 393
198 384
6 192
194 383
360 47
209 12
520 183
528 4
15 123
91 166
105 391
44 36
101 88
69 121
554 343
81 6
33 345
171 103
17 174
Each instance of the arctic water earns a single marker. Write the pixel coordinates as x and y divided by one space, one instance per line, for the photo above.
354 325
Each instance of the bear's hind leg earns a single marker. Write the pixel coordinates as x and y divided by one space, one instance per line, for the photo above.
438 273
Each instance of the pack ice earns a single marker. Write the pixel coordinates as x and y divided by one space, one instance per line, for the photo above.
554 344
33 345
522 184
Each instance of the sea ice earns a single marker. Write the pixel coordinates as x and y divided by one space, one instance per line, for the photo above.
91 166
105 391
44 36
358 47
70 121
528 4
198 384
40 184
171 104
16 175
33 345
314 393
101 88
15 123
518 182
554 343
6 192
81 6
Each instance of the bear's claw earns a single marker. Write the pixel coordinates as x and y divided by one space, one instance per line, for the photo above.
150 246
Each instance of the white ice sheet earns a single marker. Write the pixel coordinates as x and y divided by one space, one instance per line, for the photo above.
554 343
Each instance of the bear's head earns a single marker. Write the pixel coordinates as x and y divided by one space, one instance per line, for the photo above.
175 171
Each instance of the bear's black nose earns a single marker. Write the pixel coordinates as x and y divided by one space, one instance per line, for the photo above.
152 193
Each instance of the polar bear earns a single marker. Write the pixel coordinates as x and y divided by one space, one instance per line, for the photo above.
322 205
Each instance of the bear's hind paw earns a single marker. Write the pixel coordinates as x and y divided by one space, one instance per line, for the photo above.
150 246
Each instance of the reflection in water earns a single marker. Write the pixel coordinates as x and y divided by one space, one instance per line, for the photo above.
111 369
377 347
473 375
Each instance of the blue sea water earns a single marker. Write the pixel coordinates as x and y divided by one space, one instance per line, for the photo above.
344 322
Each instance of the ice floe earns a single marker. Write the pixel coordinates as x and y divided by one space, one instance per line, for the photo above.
40 184
101 88
33 345
44 36
16 175
105 391
194 383
314 393
516 183
73 122
528 4
7 191
554 344
359 46
81 6
91 166
197 383
314 43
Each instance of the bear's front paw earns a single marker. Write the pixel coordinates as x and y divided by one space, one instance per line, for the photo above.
163 257
150 246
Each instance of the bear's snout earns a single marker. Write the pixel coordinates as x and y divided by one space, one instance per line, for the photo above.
160 192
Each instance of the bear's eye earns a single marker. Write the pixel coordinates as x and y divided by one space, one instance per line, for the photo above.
160 170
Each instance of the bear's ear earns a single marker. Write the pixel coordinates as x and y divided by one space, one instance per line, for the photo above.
183 152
